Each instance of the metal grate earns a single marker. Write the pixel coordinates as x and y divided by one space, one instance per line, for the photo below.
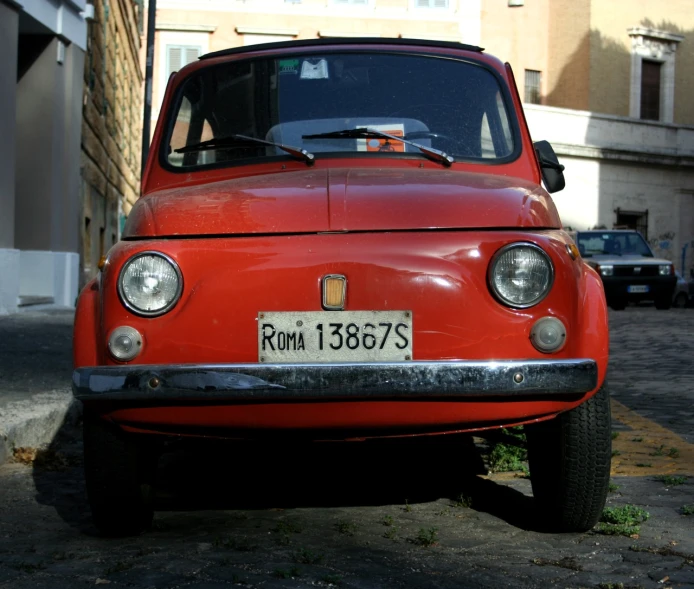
532 87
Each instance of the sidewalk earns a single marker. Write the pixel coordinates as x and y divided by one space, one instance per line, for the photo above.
35 378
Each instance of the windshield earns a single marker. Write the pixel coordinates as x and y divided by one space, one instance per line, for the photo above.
454 106
614 243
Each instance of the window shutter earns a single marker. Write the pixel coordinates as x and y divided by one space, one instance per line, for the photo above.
440 3
192 53
422 3
174 55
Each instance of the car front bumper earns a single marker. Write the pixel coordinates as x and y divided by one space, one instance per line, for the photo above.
185 383
659 287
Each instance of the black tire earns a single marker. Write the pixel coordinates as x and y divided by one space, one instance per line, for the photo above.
569 458
119 476
680 301
663 303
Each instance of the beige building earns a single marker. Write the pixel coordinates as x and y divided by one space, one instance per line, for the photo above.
620 57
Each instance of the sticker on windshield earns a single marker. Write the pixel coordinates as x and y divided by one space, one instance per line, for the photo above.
314 69
289 66
383 145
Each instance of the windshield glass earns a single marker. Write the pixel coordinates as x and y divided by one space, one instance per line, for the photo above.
613 243
450 105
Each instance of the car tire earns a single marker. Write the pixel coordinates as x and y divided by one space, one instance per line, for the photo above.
569 458
618 304
119 474
680 301
663 304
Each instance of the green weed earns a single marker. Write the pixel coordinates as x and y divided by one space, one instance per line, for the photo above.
408 507
616 452
687 509
287 573
673 453
622 521
427 537
387 520
346 528
288 527
306 556
612 487
615 435
462 501
671 481
638 439
509 457
390 533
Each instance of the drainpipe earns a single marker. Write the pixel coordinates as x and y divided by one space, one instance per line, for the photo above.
151 18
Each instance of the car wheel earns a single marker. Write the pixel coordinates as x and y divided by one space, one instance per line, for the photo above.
663 304
118 474
618 304
569 458
680 301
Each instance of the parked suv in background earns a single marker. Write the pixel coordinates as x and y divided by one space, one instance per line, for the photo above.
628 268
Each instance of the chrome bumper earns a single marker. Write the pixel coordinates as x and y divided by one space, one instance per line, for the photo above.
294 382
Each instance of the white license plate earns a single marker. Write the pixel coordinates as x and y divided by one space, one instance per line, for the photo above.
334 336
636 288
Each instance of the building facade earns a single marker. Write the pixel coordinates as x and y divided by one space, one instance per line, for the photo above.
70 123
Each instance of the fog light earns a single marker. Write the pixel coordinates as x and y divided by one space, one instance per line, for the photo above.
548 335
125 343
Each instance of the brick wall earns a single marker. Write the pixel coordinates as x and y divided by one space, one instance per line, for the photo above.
111 126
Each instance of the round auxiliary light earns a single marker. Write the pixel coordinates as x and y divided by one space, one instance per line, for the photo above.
548 335
520 275
150 283
125 343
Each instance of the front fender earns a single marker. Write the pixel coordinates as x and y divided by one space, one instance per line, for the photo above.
593 319
85 348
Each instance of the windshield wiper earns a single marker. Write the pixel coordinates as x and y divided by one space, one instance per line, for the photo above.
244 141
366 133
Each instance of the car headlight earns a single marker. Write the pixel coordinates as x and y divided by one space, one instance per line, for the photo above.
520 275
606 269
665 269
150 283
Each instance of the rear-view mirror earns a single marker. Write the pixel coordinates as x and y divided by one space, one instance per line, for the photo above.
552 170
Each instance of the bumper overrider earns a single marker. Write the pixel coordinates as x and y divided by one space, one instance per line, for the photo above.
166 384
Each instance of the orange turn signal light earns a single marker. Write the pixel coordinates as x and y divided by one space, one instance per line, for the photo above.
334 290
102 263
572 250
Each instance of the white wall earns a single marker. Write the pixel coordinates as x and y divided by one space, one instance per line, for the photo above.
618 162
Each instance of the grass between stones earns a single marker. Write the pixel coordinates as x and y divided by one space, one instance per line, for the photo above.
622 521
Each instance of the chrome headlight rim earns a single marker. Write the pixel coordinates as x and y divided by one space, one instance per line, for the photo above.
490 274
136 310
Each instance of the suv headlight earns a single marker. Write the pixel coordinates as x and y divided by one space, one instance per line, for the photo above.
606 269
520 275
665 269
150 283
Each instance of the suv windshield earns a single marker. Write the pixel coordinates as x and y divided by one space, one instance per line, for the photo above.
614 243
456 107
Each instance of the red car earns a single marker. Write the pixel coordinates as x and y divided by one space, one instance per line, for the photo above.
344 240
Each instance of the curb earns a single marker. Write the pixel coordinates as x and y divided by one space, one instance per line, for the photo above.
34 423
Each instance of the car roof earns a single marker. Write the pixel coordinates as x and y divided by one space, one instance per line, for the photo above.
343 41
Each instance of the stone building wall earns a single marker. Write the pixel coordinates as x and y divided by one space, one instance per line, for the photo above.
111 126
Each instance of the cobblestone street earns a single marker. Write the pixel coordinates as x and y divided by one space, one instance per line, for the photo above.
378 515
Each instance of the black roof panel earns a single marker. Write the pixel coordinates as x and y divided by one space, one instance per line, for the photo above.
343 41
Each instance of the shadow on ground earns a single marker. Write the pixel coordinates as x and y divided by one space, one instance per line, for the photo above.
219 475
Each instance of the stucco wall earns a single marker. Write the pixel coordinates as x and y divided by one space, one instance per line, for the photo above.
610 51
617 162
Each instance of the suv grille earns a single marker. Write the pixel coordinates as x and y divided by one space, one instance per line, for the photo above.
629 271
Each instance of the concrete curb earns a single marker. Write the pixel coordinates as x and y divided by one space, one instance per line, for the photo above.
34 422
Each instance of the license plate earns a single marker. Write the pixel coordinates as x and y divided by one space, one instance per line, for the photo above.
334 336
637 288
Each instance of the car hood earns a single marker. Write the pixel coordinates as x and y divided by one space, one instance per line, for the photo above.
342 200
625 260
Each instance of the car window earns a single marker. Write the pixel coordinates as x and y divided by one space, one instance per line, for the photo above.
451 105
612 243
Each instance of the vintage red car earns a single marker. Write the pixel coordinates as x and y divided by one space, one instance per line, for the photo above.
344 239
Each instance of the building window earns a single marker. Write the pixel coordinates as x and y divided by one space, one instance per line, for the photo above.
650 90
431 4
632 220
178 56
532 87
352 2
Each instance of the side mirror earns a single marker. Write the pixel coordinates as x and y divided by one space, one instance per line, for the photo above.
552 170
